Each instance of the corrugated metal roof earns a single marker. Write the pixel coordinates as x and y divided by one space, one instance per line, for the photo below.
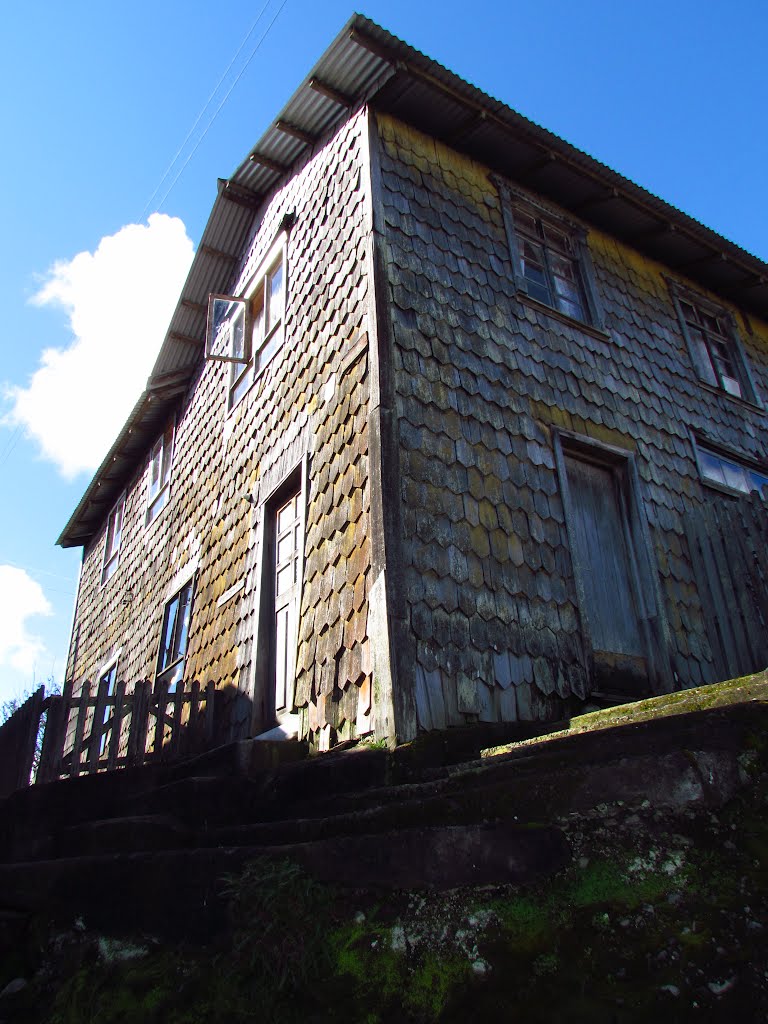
365 63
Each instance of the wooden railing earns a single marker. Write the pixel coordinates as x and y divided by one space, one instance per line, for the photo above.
99 731
18 743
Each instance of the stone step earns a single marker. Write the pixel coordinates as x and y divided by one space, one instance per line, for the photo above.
183 893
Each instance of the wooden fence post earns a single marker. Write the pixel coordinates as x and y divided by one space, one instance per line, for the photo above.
118 713
82 703
18 741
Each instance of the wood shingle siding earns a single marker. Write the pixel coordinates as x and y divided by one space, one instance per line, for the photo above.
307 402
484 381
497 508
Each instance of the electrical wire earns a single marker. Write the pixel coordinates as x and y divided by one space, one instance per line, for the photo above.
224 100
208 102
12 442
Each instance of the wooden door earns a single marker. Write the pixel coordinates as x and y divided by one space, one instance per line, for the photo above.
604 560
287 578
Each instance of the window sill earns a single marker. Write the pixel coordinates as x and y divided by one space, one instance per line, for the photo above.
579 325
745 402
731 492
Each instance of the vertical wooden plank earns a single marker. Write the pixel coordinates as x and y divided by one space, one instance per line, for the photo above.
82 704
177 725
137 736
740 660
744 569
159 705
118 714
191 736
706 585
97 727
210 712
53 738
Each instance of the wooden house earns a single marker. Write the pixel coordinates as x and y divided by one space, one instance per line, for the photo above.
461 436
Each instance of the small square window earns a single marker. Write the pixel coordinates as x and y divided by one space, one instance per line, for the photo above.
713 344
730 472
550 259
160 461
114 536
174 636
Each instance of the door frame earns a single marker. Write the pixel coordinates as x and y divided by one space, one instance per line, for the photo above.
644 572
274 492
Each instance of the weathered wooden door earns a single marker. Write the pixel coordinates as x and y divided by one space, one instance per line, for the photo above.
287 582
606 569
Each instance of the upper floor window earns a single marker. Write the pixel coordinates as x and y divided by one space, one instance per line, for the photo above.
174 636
247 331
713 344
114 536
728 471
550 259
160 473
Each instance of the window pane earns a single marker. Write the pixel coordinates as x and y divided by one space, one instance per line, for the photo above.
154 468
284 579
275 303
556 238
729 472
257 310
286 515
169 628
689 313
735 476
238 336
757 481
525 222
532 267
182 631
711 467
167 455
701 357
241 384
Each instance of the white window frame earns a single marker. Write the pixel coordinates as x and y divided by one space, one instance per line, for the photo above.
174 668
250 332
104 728
112 547
158 487
729 471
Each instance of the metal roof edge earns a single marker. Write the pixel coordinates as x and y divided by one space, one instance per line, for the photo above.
231 214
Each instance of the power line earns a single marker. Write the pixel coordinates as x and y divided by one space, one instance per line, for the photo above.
207 103
12 442
224 100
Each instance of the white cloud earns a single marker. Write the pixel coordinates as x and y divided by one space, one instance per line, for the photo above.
119 299
21 598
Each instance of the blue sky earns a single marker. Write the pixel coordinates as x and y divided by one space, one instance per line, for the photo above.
97 99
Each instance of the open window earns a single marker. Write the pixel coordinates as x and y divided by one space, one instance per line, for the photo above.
246 331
